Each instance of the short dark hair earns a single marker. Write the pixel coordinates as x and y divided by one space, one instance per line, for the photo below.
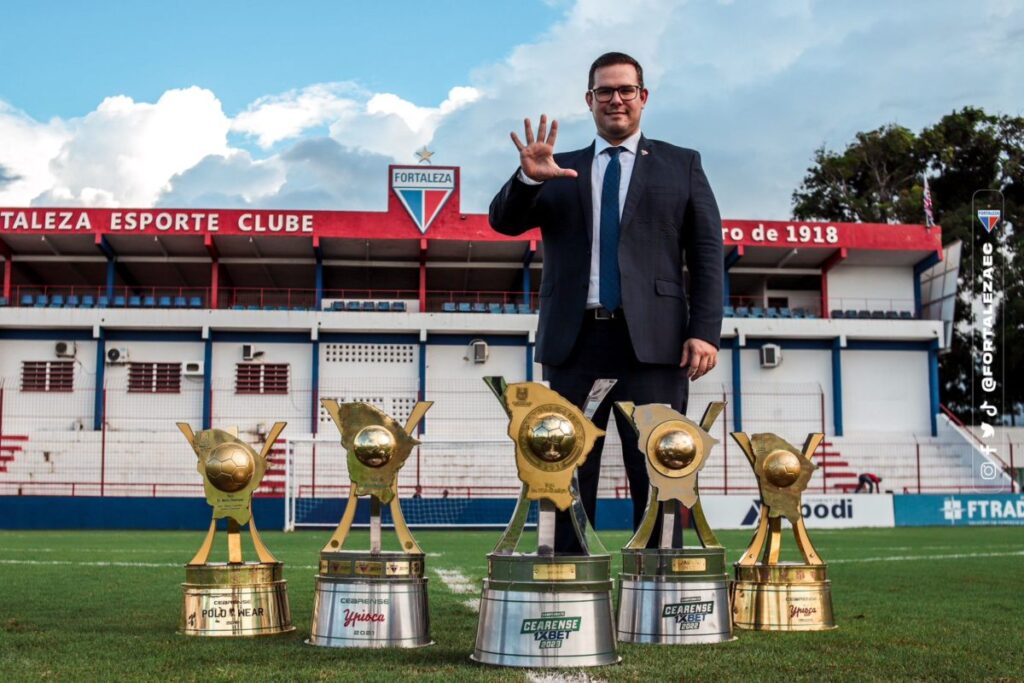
610 59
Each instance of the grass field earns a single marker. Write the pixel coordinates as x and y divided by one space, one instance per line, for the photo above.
935 603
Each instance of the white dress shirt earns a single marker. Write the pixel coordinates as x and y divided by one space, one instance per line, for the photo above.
626 160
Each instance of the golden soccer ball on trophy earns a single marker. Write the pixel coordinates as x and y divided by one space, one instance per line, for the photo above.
229 467
552 437
781 468
374 445
676 449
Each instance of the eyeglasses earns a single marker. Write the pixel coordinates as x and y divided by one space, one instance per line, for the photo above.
626 93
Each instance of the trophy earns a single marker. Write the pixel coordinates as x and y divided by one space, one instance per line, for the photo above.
673 595
542 609
769 595
374 598
235 598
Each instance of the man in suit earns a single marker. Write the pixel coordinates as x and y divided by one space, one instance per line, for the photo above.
617 219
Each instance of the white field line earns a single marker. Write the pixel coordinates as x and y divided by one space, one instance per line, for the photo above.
109 563
537 677
911 558
457 582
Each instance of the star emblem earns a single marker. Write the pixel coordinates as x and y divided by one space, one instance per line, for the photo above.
424 155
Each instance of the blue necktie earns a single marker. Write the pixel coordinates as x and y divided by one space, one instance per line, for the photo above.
610 294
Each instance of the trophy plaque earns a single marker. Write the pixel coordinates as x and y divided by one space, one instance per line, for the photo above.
544 609
235 598
372 598
769 595
673 595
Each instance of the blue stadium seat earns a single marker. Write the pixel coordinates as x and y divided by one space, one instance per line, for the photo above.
337 305
398 306
838 313
383 305
180 302
252 307
877 315
742 312
135 301
102 301
27 300
164 301
756 312
494 308
771 312
149 301
510 308
296 308
798 313
352 306
524 309
448 307
785 312
42 301
464 307
864 314
479 307
119 301
892 315
728 311
906 315
196 302
237 307
850 313
88 301
73 301
368 306
57 301
809 314
3 300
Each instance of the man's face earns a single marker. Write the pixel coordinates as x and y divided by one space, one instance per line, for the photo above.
616 120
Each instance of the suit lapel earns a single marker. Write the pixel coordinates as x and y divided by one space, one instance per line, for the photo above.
637 182
583 170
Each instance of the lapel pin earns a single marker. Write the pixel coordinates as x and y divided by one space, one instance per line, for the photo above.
643 152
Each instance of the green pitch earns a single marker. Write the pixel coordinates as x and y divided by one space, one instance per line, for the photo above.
931 603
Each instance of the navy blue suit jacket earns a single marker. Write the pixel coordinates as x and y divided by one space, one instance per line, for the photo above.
669 217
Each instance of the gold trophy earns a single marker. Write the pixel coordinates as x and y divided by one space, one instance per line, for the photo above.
235 598
543 609
374 598
668 594
769 595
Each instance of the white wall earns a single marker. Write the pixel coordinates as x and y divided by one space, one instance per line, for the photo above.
871 287
44 410
885 391
787 399
156 412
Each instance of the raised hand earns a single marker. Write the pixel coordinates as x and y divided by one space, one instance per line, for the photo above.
536 157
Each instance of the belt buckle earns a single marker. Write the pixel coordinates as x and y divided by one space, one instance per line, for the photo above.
603 314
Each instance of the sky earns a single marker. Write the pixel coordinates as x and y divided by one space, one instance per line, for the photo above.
303 105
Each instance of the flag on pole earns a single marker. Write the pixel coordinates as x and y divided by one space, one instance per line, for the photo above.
929 217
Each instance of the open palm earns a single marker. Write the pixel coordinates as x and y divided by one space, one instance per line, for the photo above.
536 157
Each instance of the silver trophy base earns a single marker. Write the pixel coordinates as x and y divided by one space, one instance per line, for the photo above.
656 610
370 613
543 621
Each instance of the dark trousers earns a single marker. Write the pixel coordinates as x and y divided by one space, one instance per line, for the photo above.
604 350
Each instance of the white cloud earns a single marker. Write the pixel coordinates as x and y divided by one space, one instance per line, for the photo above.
26 148
124 152
278 117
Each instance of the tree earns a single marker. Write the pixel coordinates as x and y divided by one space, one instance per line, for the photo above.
879 178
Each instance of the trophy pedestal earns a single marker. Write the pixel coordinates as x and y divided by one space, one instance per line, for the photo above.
546 612
370 600
674 596
237 600
782 597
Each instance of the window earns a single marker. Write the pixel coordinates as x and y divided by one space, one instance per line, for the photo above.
47 375
154 378
261 378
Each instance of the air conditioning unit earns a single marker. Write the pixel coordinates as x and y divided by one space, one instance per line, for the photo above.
771 356
193 368
117 355
477 351
249 352
65 349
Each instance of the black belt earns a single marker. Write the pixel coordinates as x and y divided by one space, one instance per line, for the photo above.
603 314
